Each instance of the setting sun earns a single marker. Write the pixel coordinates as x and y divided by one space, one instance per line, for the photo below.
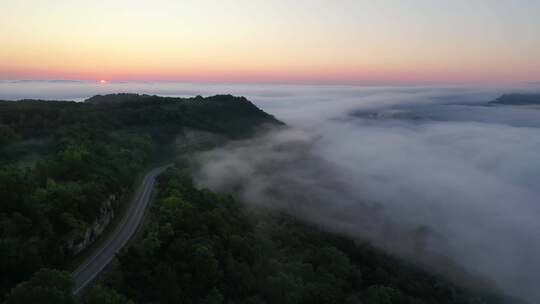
270 151
439 43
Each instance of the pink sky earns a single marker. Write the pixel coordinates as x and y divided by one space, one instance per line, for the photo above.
308 42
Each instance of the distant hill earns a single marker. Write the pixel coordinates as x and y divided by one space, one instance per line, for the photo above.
67 167
518 99
235 117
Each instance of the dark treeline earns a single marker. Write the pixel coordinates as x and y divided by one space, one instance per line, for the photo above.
518 99
202 247
61 161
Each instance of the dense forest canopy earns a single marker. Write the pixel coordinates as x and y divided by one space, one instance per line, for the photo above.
204 247
61 161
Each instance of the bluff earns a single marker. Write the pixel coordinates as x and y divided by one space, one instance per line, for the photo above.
67 167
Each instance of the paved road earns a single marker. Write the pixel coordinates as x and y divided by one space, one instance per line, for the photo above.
127 227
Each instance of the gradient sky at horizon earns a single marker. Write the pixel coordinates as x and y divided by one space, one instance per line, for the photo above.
273 41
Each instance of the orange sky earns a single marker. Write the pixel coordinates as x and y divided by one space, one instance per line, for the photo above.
316 41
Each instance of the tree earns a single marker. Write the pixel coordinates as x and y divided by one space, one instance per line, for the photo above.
78 155
214 297
382 295
47 286
105 295
7 135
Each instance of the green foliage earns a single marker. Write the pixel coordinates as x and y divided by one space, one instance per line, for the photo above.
85 154
104 295
7 135
45 286
199 246
214 297
383 295
202 247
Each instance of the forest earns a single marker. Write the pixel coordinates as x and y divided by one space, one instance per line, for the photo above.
204 247
61 161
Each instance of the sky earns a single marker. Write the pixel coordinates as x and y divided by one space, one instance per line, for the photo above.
272 41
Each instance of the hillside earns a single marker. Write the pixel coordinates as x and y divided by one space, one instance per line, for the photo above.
67 167
205 247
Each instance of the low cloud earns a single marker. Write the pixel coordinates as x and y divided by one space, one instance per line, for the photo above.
428 173
433 174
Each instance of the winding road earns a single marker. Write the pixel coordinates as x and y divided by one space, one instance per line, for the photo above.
128 226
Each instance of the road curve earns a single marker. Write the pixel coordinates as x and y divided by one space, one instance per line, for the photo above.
130 222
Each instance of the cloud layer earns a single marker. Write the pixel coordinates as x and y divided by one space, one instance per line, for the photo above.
424 172
430 173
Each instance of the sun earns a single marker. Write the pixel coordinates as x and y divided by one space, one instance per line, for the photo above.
103 81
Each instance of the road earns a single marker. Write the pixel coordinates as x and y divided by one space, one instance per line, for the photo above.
128 226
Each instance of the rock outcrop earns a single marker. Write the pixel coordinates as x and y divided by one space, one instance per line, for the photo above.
81 241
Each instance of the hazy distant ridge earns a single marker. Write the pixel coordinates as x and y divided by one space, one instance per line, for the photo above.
518 99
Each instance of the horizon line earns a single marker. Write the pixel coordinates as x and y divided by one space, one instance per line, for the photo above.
284 83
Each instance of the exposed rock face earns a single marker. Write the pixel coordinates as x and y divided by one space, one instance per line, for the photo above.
186 141
81 241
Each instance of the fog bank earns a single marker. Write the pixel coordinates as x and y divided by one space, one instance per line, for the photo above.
427 173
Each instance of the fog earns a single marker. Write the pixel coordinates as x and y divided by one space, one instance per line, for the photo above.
431 174
428 173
